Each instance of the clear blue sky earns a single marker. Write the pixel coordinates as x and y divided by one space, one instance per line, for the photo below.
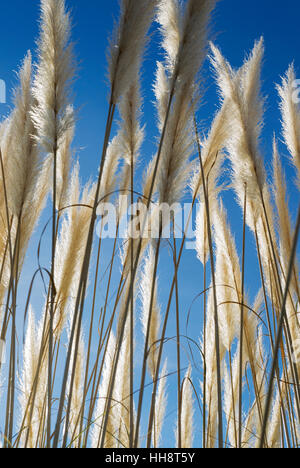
237 24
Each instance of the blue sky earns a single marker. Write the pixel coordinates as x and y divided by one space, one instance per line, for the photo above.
237 24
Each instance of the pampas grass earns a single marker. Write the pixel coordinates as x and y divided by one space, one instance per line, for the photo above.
290 116
145 291
96 366
128 43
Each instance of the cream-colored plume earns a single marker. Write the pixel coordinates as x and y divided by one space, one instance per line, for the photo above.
187 412
145 293
52 114
241 91
291 116
160 407
128 43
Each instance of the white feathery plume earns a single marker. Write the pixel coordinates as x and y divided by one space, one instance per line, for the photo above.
228 277
184 36
285 244
292 312
121 410
28 210
64 160
253 347
141 217
21 159
212 154
70 248
194 38
259 225
231 400
250 430
274 427
187 412
160 407
26 381
4 229
5 233
228 273
145 294
4 143
291 116
128 43
241 91
184 39
213 189
3 129
284 220
259 354
161 88
202 245
119 419
26 175
169 17
131 131
130 138
254 352
33 208
77 395
111 165
98 417
52 114
217 137
212 159
30 366
178 146
211 372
